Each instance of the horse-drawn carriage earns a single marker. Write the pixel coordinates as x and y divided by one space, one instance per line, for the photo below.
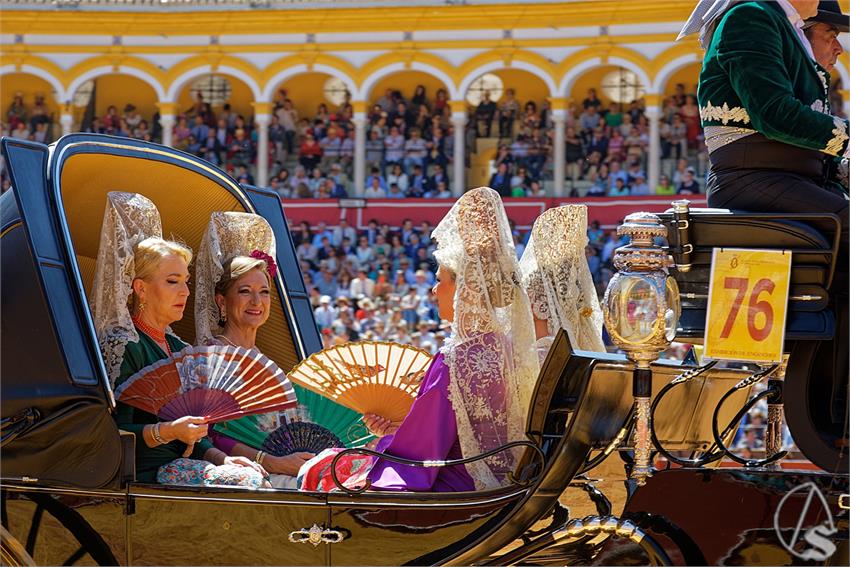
68 488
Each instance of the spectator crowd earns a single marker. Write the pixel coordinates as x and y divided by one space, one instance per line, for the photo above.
376 283
409 143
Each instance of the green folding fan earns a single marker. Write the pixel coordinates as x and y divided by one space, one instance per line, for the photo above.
345 423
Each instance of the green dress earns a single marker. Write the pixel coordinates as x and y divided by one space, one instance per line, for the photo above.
148 459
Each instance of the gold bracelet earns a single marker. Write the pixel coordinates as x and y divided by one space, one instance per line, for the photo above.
259 458
155 434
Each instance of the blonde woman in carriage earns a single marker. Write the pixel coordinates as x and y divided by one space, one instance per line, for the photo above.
475 395
235 269
557 279
140 289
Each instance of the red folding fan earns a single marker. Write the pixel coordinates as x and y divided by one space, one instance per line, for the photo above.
216 382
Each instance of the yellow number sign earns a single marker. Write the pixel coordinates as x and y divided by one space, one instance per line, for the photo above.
747 304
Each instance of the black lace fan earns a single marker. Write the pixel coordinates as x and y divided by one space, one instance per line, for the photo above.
299 436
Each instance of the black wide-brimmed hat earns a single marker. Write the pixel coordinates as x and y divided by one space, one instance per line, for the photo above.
829 12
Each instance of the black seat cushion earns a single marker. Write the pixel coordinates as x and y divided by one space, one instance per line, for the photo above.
810 238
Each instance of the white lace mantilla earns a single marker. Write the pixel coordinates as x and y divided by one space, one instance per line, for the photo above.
557 278
491 358
229 234
723 114
129 218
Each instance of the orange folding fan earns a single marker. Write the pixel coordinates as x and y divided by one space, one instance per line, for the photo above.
369 376
216 382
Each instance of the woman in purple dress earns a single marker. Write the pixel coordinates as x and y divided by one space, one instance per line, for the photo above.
477 391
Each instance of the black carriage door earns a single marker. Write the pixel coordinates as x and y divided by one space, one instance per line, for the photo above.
57 426
226 526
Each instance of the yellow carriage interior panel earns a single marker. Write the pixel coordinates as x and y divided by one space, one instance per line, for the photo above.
185 200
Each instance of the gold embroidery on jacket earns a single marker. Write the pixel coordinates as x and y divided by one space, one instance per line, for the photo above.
834 146
723 114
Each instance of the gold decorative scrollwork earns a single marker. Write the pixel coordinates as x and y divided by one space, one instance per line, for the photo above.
316 535
723 114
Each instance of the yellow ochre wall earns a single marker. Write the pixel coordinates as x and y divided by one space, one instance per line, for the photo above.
406 82
119 90
29 86
591 80
688 76
307 92
240 98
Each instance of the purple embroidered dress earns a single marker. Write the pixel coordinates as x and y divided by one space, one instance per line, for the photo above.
429 432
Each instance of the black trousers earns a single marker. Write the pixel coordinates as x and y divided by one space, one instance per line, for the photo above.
779 191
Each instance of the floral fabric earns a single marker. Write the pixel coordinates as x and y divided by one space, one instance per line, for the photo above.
192 472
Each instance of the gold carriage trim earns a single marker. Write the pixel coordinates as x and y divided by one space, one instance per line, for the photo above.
833 147
723 114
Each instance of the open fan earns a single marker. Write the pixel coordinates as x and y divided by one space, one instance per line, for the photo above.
216 382
299 436
246 430
368 376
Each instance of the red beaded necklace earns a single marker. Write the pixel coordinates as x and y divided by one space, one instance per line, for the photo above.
155 334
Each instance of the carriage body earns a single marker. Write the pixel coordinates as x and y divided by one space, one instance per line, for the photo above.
68 489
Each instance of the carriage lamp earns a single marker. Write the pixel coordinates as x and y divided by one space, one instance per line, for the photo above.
641 308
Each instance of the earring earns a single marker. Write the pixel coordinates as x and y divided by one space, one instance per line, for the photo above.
141 306
222 317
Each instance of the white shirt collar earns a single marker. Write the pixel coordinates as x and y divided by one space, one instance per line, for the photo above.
797 22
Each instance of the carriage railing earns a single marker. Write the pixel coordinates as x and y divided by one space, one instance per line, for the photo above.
526 476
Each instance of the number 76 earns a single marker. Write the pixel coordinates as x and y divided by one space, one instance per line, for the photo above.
754 307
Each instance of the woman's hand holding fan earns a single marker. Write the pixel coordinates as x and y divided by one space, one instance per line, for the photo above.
189 429
379 425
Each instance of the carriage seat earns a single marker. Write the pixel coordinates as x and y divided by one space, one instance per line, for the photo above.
812 239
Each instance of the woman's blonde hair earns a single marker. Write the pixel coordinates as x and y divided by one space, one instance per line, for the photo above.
237 267
150 252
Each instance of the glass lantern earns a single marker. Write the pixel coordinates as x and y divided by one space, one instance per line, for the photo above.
641 308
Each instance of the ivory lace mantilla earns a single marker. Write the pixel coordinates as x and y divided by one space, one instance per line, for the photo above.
557 278
229 234
492 363
129 219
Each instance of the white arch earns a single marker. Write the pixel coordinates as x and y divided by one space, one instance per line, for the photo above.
514 64
60 94
271 84
370 81
111 70
569 79
181 81
663 75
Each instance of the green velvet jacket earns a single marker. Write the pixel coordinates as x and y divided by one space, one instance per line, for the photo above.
757 75
149 459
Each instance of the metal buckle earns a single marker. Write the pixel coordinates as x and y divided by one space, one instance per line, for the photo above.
687 248
844 501
683 224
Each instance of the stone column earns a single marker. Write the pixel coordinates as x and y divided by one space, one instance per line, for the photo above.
262 121
167 120
66 119
559 151
653 164
459 119
359 181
